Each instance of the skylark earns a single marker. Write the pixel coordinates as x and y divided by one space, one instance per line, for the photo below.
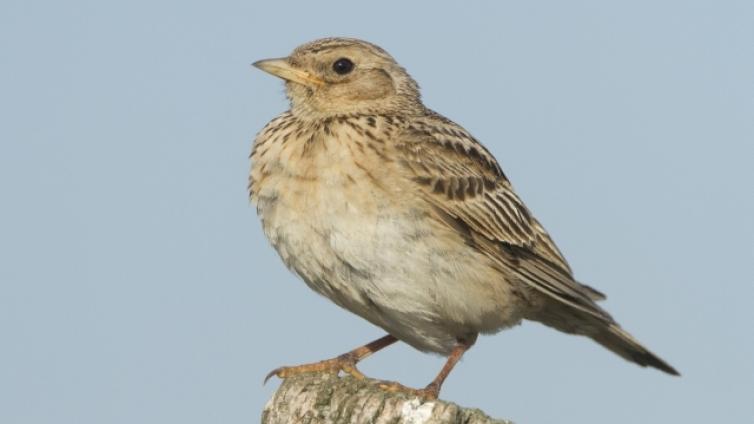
400 216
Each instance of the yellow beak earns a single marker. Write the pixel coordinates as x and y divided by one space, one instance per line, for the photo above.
281 68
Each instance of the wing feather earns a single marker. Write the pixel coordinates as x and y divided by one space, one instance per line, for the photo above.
459 177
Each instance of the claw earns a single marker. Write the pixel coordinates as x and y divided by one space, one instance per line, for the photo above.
270 374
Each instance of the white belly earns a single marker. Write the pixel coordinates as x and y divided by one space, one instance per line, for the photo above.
376 252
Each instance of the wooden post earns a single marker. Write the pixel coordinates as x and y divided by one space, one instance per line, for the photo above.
329 399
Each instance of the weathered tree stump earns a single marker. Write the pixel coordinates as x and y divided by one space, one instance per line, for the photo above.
329 399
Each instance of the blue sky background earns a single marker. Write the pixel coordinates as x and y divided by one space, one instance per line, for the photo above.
137 287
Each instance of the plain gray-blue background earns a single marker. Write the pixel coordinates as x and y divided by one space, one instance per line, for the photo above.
137 287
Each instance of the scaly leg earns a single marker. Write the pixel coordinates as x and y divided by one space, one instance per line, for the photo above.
345 362
433 389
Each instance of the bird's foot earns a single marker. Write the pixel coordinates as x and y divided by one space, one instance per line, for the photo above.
431 392
345 363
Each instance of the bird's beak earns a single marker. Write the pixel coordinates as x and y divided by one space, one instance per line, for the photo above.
283 69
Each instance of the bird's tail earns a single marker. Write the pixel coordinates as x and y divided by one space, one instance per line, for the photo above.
619 341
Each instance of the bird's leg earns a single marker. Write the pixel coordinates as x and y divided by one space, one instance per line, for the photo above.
345 362
432 391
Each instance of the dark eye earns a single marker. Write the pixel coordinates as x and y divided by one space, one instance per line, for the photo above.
342 66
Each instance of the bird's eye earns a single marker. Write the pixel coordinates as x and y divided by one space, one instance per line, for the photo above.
342 66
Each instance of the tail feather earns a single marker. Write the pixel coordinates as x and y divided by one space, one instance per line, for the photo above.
620 342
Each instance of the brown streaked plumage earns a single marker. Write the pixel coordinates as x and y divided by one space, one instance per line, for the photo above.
400 216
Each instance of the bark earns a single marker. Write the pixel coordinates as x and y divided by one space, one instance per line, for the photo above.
329 399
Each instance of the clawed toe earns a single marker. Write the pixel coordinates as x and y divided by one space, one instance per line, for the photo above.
334 366
428 393
346 362
279 372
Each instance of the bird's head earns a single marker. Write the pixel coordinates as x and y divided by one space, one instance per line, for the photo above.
340 76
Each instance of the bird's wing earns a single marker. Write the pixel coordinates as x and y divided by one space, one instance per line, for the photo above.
464 182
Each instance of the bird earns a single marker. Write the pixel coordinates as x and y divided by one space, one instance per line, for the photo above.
400 216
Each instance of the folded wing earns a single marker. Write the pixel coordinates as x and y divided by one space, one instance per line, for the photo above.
462 180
